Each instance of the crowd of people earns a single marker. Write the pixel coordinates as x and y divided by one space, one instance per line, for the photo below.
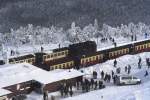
94 83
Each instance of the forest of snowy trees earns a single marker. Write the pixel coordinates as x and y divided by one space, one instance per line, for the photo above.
37 35
16 13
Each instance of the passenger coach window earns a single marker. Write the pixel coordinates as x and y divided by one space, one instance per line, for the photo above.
48 56
149 45
67 64
66 52
55 55
86 60
90 59
94 58
59 66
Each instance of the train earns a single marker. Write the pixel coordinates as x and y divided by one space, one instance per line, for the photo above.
81 55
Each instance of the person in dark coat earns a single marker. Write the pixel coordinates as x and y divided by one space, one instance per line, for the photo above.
83 86
42 49
115 63
45 96
118 70
108 78
71 93
102 75
135 38
100 84
129 69
112 73
95 85
146 35
146 73
126 68
114 79
131 37
113 40
140 60
115 44
61 89
105 78
94 74
147 60
87 85
77 84
66 90
92 82
139 63
11 53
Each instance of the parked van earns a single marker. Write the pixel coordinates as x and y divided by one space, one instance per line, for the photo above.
127 80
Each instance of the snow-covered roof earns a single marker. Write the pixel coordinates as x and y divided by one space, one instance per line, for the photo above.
58 75
4 92
18 73
26 49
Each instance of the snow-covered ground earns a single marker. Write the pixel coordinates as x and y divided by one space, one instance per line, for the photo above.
113 92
